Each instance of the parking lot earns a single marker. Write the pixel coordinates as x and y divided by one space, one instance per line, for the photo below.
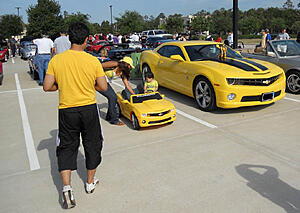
237 160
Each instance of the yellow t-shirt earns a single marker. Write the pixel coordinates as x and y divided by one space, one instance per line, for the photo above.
150 87
75 74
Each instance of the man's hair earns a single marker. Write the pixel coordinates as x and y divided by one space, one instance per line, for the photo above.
78 32
63 31
149 75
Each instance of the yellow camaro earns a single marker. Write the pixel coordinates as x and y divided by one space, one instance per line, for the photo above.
148 109
214 74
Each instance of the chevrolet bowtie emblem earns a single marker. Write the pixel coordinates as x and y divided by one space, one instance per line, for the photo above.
267 82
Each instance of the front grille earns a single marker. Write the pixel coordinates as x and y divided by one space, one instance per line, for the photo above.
160 121
258 97
254 82
159 113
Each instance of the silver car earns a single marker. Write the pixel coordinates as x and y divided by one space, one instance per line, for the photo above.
27 49
286 54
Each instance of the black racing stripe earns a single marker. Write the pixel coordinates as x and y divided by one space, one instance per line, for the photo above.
263 68
235 63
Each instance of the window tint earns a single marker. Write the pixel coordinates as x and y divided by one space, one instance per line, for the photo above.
151 33
168 51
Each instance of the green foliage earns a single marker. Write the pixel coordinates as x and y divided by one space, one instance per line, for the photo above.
174 23
221 21
288 4
10 25
44 17
130 21
201 21
105 27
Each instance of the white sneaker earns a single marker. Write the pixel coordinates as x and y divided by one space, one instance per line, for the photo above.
89 188
68 197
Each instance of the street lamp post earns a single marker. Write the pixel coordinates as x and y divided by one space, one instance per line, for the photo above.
110 14
18 9
235 23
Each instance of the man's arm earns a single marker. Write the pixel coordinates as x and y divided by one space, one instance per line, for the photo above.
49 83
101 84
109 64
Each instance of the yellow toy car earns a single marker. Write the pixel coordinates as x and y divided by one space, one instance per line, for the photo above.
148 109
214 74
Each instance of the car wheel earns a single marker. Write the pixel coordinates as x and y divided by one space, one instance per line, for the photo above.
293 82
135 122
205 95
146 69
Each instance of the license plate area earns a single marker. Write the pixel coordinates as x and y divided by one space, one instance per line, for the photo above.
267 96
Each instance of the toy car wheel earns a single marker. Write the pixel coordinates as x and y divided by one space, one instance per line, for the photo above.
293 82
204 95
145 70
135 122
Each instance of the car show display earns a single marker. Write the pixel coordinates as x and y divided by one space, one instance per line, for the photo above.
214 74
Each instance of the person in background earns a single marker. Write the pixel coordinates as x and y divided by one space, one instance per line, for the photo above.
115 39
219 39
44 46
298 37
120 39
230 38
268 37
101 36
61 43
208 38
110 38
12 44
283 35
263 43
76 75
151 85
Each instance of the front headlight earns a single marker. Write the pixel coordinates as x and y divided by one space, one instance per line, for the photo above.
232 81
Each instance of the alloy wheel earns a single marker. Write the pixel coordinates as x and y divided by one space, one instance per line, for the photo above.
203 94
293 83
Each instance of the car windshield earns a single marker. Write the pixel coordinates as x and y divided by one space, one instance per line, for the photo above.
287 48
145 97
159 32
206 52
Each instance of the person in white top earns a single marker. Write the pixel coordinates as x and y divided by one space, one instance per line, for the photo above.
44 46
134 37
120 39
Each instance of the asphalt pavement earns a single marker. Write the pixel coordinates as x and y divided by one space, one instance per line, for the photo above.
243 160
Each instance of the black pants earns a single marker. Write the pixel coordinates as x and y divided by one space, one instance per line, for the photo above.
74 121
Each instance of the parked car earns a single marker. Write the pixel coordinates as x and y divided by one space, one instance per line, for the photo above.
1 73
145 110
4 54
150 42
158 33
96 45
159 42
27 49
286 54
116 51
214 74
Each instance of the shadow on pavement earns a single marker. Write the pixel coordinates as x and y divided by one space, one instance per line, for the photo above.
265 181
50 145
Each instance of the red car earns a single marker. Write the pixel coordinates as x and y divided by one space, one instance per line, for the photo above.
4 54
96 45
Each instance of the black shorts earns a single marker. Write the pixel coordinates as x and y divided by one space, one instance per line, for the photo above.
74 121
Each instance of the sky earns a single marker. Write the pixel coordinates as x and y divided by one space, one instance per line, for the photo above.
99 9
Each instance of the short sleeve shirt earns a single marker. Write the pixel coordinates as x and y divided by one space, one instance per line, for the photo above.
75 74
150 87
62 44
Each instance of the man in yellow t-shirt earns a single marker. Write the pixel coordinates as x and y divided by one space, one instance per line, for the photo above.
76 75
151 85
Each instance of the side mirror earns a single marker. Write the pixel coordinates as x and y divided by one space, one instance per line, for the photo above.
177 58
272 54
125 102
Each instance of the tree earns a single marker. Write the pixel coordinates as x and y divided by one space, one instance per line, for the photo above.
44 17
105 27
175 23
288 5
10 25
221 21
201 21
130 21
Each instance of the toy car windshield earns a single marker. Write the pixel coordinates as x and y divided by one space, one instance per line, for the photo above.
145 97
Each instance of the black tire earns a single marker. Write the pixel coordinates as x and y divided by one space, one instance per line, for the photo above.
35 75
135 122
293 82
145 70
204 94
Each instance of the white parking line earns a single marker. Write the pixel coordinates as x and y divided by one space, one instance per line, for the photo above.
291 99
28 89
183 113
32 156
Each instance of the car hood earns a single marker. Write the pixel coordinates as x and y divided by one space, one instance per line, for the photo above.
243 67
152 106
